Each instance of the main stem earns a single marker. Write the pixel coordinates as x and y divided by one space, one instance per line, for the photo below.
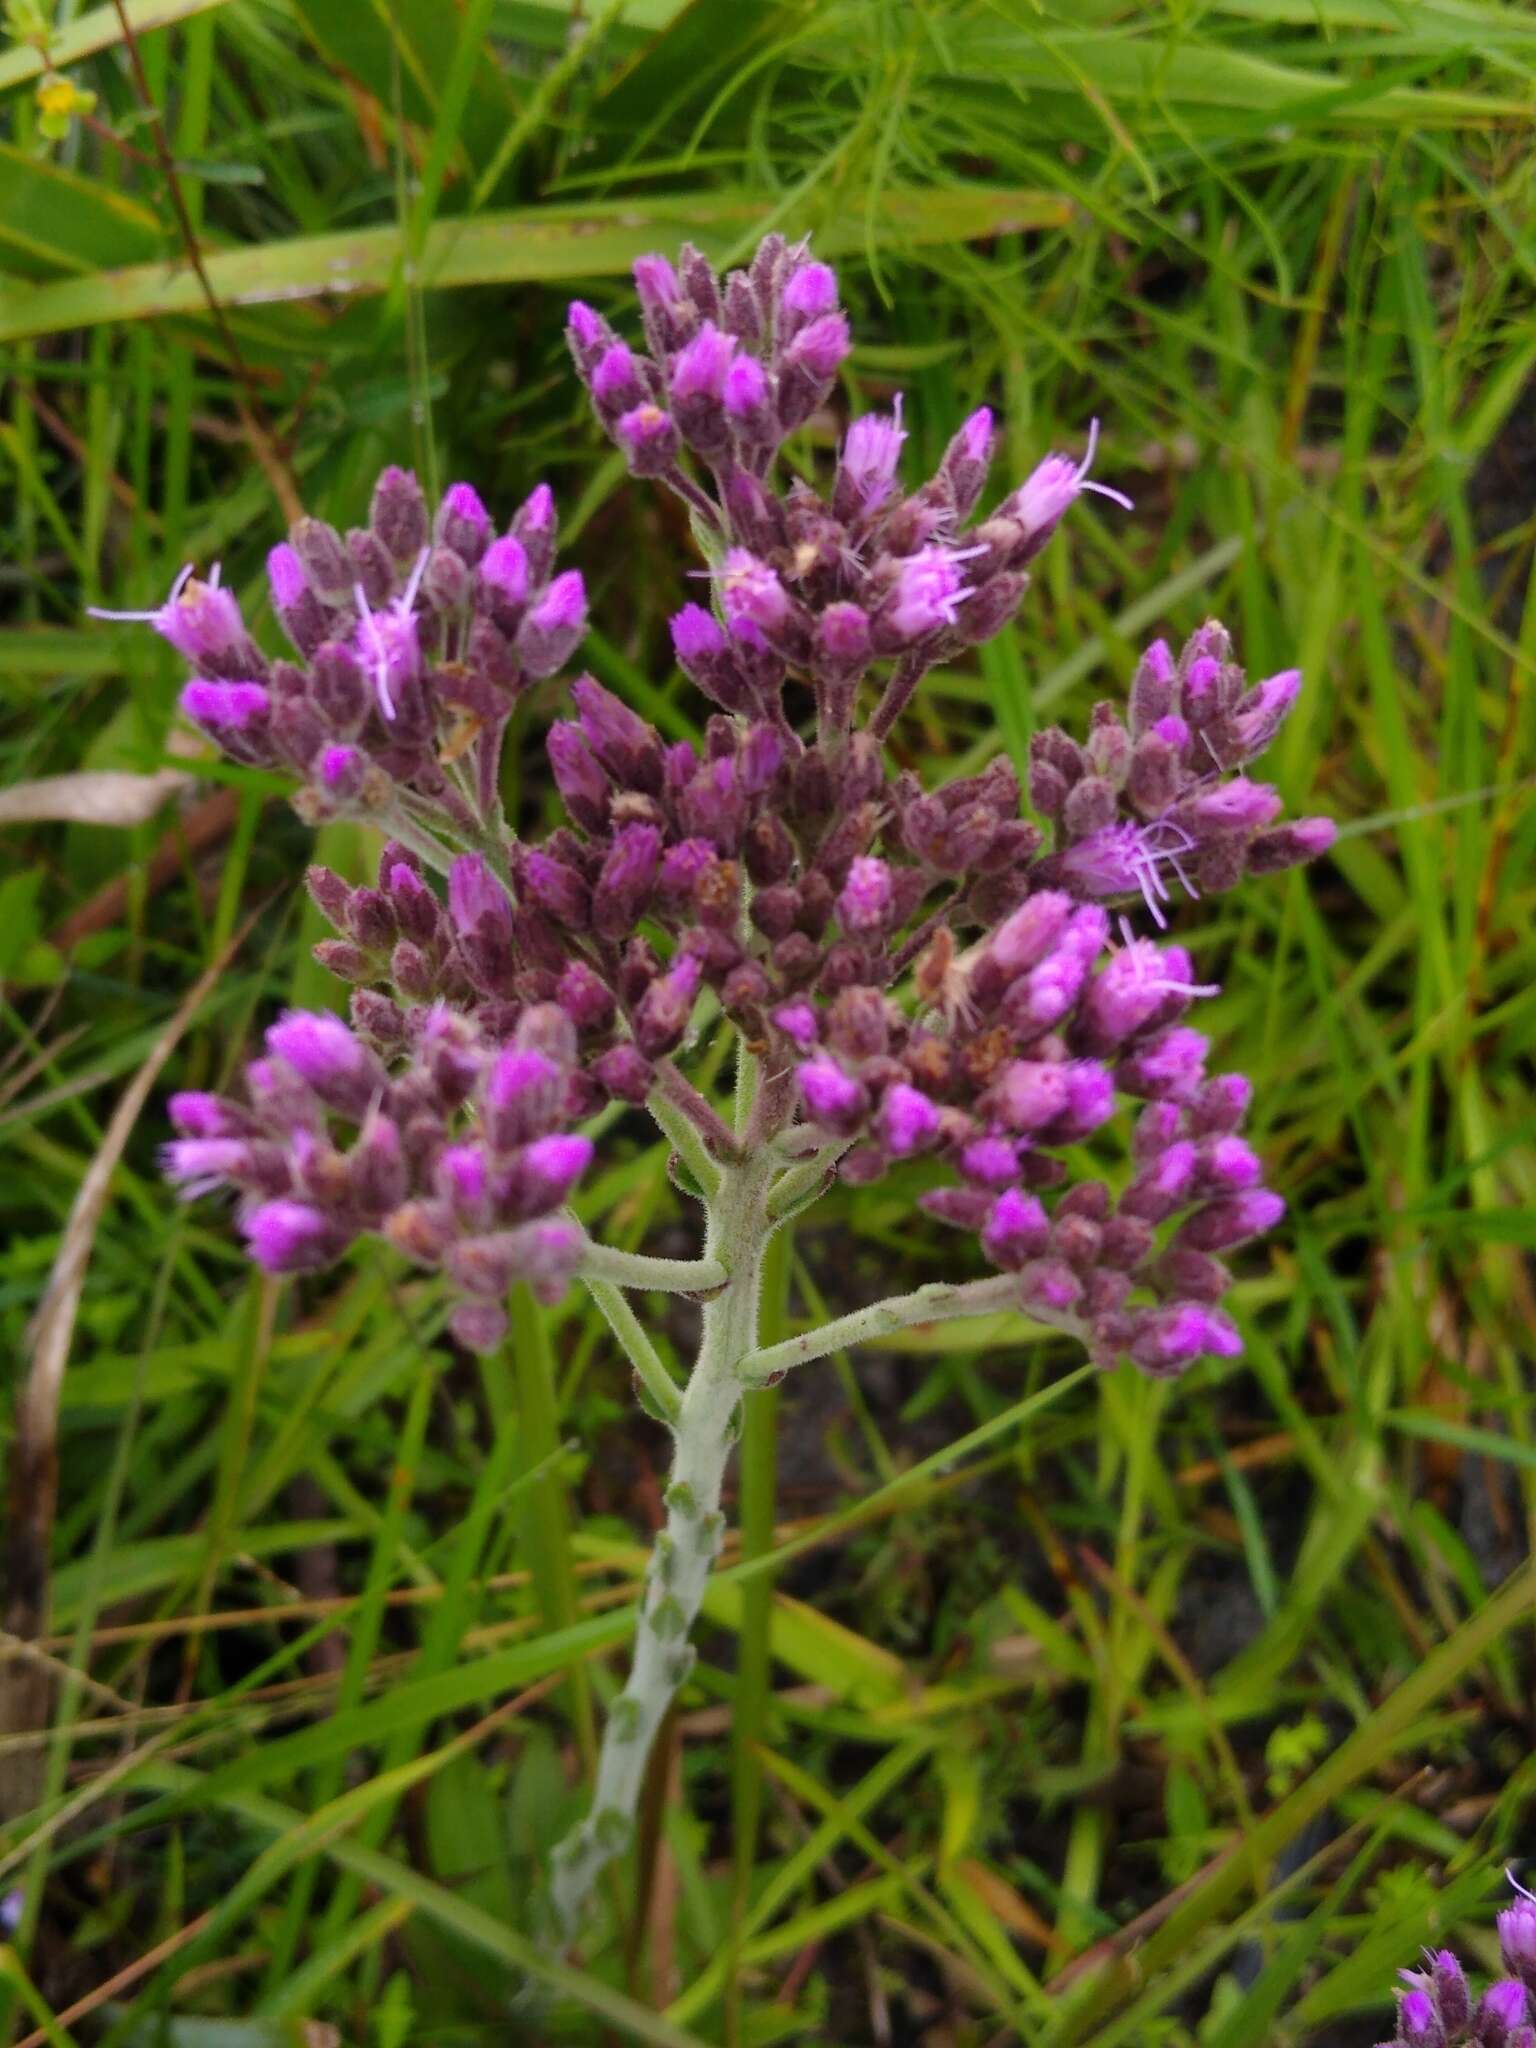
685 1551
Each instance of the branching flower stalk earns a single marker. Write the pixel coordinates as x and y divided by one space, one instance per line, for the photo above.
914 974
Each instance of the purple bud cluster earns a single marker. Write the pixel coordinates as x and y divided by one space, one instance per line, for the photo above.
929 973
1436 2008
415 636
1158 796
1019 1050
458 1151
824 586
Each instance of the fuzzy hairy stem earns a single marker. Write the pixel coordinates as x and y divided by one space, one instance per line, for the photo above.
939 1302
659 1276
685 1551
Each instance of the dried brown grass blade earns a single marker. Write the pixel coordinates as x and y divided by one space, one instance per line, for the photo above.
25 1682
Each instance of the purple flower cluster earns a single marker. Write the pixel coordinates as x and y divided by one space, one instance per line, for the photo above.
1436 2008
823 586
1025 1046
1139 802
456 1151
415 635
930 974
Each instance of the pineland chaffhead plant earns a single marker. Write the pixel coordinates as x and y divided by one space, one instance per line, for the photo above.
910 972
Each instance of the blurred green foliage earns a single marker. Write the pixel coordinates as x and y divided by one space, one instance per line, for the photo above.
1132 1714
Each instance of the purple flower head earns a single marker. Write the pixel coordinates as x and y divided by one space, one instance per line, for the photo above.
699 369
628 876
990 1162
1230 1165
1289 845
563 607
1236 806
697 638
1125 858
463 1178
1025 937
928 592
871 453
475 896
1517 1939
326 1055
751 591
523 1092
201 620
552 630
1135 985
502 576
1170 1339
285 1236
1050 1287
387 643
463 523
550 1167
1171 1067
745 389
397 515
656 282
557 888
584 329
1449 1985
974 440
1502 2007
1418 2023
811 291
285 577
342 773
224 708
648 436
1044 496
203 1164
1264 710
908 1121
681 867
833 1098
842 638
583 786
197 1114
616 380
820 347
1232 1220
867 899
585 997
799 1024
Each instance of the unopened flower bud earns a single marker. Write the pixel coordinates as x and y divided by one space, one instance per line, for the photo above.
327 566
616 386
649 439
745 396
625 1073
398 515
809 292
832 1098
628 875
1289 845
462 523
285 1236
1231 1221
552 630
1502 2008
328 1057
967 460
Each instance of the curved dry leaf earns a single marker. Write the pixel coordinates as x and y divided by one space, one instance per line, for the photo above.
103 796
